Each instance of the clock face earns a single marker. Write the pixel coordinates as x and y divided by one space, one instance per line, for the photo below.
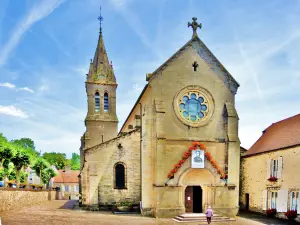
194 106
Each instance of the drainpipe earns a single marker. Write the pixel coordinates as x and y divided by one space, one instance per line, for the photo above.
141 114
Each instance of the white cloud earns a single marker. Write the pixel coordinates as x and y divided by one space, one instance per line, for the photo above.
36 13
13 86
12 111
8 85
26 89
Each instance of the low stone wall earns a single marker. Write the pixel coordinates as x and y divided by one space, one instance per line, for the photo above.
16 198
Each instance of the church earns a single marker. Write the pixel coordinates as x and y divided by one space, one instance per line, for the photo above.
178 150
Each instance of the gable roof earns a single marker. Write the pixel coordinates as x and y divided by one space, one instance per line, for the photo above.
214 64
208 57
280 135
68 176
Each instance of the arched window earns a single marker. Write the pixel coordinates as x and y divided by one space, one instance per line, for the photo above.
97 102
120 176
105 102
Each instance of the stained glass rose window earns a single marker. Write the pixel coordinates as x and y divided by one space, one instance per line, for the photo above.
193 105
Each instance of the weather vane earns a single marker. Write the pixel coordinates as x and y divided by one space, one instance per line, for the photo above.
100 18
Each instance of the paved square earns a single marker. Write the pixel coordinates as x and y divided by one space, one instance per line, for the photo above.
61 213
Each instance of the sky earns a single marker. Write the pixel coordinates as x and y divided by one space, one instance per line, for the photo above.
46 47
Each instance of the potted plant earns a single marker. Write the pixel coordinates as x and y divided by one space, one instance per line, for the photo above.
271 212
291 214
124 206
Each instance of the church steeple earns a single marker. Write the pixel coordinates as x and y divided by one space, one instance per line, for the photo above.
101 71
101 120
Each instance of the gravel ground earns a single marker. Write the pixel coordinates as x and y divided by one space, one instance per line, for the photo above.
62 213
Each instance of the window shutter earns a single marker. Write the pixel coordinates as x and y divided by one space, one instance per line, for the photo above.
268 168
298 203
282 201
279 172
265 199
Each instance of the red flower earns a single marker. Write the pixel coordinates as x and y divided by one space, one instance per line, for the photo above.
170 175
219 171
177 166
191 149
174 170
272 179
181 162
208 156
196 144
291 214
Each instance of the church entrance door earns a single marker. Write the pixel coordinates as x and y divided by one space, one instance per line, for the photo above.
193 199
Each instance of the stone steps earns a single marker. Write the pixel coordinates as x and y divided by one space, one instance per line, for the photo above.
199 218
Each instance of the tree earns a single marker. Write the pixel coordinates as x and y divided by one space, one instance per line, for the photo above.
75 162
47 174
5 154
25 143
39 166
20 160
56 159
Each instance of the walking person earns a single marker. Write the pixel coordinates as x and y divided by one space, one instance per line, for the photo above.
209 214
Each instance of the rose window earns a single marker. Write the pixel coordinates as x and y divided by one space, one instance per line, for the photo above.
193 107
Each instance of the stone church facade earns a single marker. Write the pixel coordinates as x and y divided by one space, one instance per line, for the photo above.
189 98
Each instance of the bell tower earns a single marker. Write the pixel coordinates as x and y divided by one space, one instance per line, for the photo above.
101 120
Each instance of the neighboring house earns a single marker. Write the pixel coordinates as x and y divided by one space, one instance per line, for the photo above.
33 178
271 169
67 181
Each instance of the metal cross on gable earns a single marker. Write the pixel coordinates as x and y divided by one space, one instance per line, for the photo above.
194 25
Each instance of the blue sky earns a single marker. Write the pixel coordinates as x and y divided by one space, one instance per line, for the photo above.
46 45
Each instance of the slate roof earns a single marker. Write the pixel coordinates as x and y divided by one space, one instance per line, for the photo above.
280 135
68 176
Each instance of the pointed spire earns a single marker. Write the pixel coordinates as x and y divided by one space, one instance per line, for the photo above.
101 70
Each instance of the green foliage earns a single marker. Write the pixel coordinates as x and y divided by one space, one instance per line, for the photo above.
20 160
47 174
23 177
12 175
25 143
6 154
75 162
40 165
57 159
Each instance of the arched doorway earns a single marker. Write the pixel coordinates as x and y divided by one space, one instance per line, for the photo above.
193 199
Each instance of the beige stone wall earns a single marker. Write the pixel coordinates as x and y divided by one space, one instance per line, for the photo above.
101 161
14 199
165 137
254 176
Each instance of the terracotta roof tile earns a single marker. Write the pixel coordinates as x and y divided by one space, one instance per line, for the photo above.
285 133
69 176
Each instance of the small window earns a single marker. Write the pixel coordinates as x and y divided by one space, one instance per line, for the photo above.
274 200
120 176
294 196
274 168
105 102
97 102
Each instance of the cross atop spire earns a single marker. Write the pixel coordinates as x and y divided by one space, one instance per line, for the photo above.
100 18
194 25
